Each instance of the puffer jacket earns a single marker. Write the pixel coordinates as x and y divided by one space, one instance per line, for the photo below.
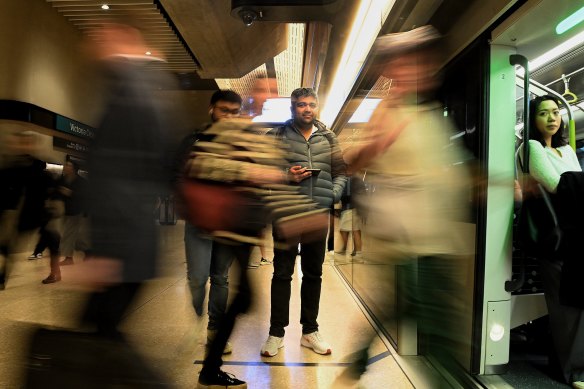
320 151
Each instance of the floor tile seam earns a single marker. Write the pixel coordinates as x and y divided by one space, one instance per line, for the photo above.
370 361
155 296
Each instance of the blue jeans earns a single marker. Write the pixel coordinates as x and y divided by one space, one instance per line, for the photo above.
205 259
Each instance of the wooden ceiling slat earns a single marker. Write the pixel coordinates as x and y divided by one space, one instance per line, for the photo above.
158 34
111 3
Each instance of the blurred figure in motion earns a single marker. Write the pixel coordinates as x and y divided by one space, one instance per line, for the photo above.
25 187
419 195
128 168
315 166
231 188
204 257
71 188
350 221
264 88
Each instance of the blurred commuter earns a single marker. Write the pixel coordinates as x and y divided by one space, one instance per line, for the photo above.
25 187
419 197
350 221
263 89
231 188
128 168
554 164
71 188
309 146
206 258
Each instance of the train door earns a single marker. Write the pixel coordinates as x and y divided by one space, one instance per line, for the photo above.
534 51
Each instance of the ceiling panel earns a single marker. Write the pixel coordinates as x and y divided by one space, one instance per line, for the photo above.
158 32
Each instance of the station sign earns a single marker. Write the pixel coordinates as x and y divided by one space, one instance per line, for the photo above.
73 127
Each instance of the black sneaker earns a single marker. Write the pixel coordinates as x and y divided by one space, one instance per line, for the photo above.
219 379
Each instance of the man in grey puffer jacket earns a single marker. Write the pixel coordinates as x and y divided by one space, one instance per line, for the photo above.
316 165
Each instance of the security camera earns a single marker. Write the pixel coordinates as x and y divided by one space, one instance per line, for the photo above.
248 16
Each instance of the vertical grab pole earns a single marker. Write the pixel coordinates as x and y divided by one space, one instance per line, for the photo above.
517 59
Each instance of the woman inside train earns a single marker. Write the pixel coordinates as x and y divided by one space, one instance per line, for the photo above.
554 165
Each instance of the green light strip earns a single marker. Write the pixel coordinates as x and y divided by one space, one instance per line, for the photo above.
570 21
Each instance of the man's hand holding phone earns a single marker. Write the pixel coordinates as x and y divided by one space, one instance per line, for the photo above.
298 173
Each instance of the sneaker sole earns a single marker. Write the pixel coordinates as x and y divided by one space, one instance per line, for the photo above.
213 386
306 344
267 354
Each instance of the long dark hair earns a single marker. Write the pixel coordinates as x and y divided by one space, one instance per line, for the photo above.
558 139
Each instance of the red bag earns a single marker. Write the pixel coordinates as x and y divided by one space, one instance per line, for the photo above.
211 206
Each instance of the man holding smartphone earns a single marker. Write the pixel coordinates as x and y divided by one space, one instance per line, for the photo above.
316 165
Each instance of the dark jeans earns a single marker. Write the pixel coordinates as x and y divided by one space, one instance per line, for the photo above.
312 258
240 304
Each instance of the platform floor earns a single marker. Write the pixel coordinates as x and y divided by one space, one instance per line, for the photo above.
164 328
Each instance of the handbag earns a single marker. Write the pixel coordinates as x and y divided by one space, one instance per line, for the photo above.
539 231
213 206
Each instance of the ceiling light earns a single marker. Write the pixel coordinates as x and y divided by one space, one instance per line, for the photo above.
105 7
364 111
557 51
366 26
572 20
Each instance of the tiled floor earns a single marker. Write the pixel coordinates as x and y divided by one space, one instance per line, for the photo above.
163 326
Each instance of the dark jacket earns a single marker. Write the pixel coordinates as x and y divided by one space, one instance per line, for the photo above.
128 166
75 202
320 151
570 210
29 182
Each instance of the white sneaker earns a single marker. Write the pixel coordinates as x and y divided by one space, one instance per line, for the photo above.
316 343
270 348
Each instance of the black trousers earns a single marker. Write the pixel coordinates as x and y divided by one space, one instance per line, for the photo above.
106 309
312 258
566 324
240 304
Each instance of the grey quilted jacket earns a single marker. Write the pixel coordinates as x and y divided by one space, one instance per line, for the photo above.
320 151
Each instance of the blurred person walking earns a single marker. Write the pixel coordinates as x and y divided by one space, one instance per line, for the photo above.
25 188
232 186
309 145
71 188
128 168
206 258
419 199
350 220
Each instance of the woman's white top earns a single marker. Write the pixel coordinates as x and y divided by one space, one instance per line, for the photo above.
546 166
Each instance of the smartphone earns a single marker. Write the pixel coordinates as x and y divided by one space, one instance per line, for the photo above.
313 171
